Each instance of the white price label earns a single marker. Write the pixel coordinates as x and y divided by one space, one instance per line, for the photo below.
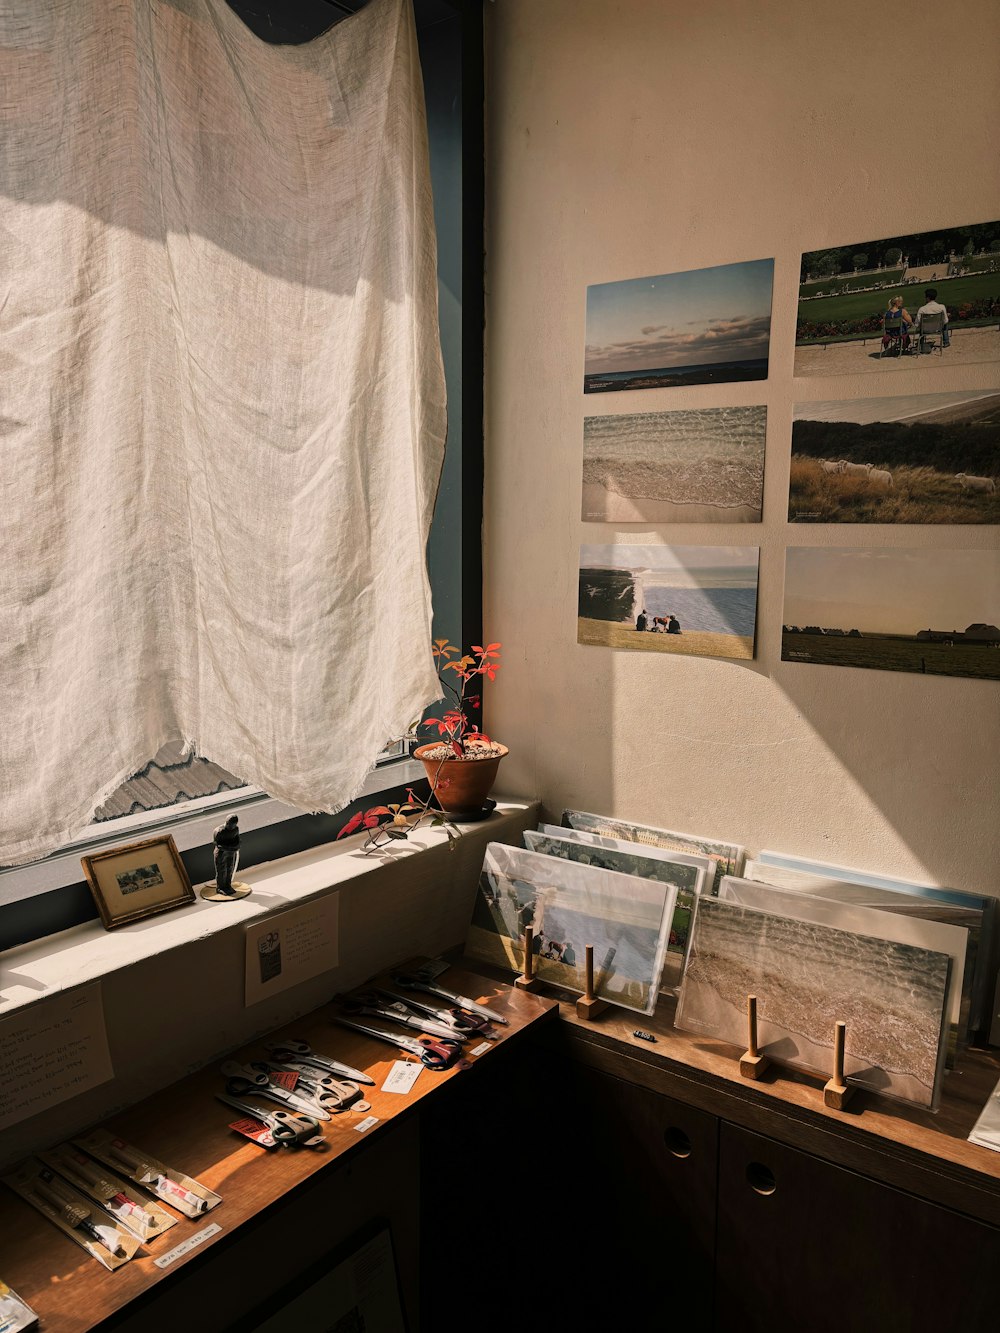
481 1049
402 1076
186 1246
369 1122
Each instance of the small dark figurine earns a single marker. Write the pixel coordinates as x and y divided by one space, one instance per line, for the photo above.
227 854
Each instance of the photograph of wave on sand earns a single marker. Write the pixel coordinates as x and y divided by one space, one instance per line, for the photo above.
699 601
807 978
703 466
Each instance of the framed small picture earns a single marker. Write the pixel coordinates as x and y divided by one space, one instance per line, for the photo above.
136 881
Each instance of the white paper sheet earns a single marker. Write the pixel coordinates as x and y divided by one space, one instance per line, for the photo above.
291 947
51 1052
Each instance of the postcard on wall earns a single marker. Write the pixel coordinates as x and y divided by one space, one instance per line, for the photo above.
728 856
568 906
705 326
807 978
632 859
699 601
291 947
846 292
915 458
699 466
865 920
926 610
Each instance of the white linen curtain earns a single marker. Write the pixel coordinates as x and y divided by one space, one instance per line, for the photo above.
222 410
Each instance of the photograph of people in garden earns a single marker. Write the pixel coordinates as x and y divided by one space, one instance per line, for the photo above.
929 298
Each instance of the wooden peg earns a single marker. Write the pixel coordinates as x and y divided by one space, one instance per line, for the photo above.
588 1005
836 1093
752 1063
527 980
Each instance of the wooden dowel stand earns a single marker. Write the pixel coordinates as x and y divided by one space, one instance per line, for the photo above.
836 1093
527 980
752 1063
588 1005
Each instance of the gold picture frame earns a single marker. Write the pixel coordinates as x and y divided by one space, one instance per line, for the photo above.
138 880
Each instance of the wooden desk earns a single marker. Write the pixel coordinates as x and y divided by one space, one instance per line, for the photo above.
185 1127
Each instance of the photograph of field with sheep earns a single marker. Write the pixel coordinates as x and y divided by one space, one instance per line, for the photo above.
914 458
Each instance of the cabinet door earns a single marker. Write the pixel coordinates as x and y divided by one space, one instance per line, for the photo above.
806 1247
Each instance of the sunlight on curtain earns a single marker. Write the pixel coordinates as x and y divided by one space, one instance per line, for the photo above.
222 415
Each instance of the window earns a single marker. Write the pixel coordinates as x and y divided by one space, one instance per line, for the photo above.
51 895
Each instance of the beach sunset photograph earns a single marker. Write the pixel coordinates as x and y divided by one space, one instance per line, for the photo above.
698 601
925 610
706 326
701 466
913 458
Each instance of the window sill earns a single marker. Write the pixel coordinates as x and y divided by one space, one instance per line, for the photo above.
36 971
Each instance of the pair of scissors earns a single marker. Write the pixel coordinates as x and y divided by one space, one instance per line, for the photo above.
369 1004
434 1052
300 1052
332 1094
241 1079
286 1128
462 1025
409 982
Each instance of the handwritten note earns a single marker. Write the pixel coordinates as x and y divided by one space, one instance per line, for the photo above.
290 947
52 1051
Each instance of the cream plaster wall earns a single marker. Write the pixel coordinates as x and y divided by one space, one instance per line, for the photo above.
633 137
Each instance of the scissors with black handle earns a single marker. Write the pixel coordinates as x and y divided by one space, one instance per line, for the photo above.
243 1079
463 1025
371 1005
434 1052
287 1128
332 1094
300 1052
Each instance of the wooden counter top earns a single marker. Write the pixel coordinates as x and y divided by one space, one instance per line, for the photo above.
185 1127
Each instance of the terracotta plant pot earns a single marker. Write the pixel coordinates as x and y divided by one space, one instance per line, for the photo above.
468 780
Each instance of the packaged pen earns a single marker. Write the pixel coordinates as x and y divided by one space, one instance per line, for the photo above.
187 1195
15 1316
78 1217
122 1200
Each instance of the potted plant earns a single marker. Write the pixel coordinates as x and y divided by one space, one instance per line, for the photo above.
461 762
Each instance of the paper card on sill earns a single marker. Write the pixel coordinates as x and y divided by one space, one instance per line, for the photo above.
402 1076
291 947
51 1052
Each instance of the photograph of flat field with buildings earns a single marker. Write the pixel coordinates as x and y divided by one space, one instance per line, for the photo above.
931 611
700 466
808 977
914 458
875 305
699 601
704 326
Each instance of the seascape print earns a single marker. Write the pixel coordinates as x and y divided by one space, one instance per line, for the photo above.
700 601
809 977
727 856
705 326
699 466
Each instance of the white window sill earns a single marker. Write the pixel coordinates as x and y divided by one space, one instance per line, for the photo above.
43 968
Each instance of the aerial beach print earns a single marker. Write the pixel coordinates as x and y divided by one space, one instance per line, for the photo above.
845 292
570 906
705 326
808 977
913 458
699 601
927 610
700 466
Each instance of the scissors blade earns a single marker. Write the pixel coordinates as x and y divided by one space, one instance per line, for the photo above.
392 1038
409 982
299 1052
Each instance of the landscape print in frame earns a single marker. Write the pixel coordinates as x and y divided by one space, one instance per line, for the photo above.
699 601
569 906
927 610
727 856
705 465
913 458
807 978
687 879
704 326
846 291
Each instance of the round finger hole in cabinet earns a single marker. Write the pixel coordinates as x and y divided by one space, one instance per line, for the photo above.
760 1178
678 1143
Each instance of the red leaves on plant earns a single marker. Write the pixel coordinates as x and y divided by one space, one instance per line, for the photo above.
352 824
457 747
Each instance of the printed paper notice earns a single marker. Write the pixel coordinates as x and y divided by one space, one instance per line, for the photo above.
52 1051
291 947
